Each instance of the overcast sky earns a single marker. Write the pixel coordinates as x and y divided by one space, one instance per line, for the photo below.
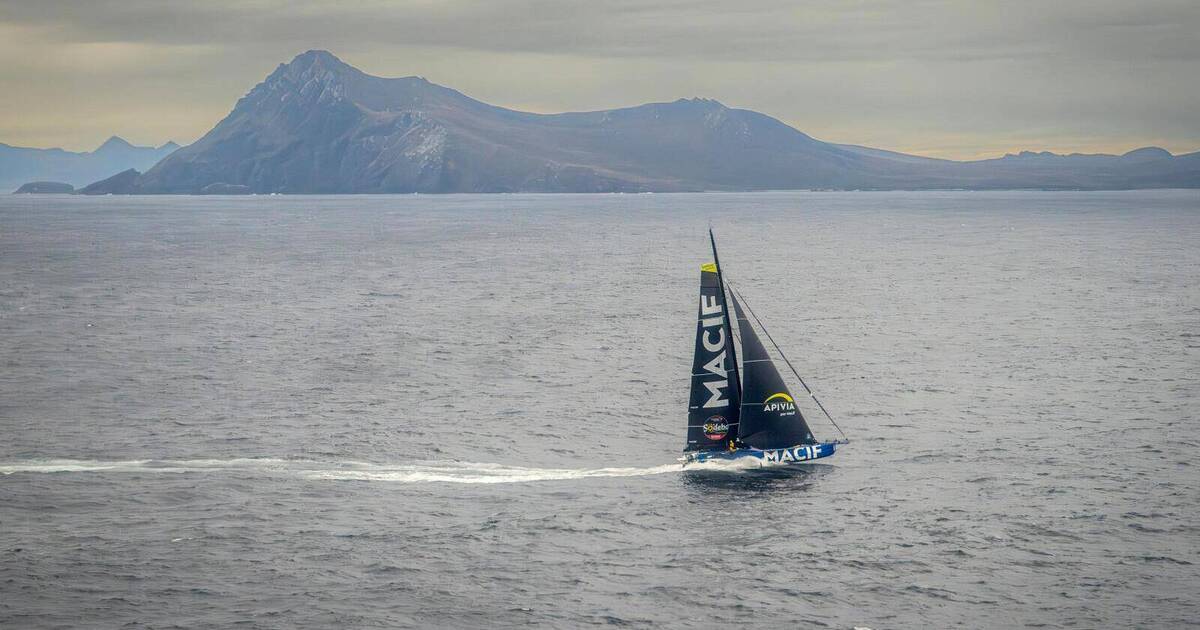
933 77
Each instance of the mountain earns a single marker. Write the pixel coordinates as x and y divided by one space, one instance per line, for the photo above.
318 125
22 164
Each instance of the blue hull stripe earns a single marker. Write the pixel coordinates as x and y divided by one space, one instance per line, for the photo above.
769 457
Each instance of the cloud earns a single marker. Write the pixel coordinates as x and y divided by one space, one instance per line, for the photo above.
906 73
762 30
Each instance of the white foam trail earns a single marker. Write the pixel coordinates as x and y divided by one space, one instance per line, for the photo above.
136 465
467 472
448 472
728 465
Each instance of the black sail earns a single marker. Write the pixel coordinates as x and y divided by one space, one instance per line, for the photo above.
713 409
770 417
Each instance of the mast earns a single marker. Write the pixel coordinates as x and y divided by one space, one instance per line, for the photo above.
737 379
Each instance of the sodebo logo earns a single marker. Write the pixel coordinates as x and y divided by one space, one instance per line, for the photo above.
716 428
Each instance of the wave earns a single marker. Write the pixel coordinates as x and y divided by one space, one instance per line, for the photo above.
447 472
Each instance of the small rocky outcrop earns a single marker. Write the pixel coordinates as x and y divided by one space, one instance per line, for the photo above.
221 188
45 188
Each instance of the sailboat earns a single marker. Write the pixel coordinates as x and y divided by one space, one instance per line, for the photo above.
744 414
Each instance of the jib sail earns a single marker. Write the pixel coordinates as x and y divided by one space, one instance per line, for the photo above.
713 409
770 417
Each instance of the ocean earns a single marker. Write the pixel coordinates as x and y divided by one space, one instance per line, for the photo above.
465 411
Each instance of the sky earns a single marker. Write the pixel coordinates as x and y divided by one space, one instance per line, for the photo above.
940 78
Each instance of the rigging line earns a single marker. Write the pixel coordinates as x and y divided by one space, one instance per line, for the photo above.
787 361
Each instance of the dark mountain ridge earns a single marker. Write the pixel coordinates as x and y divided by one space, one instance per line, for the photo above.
318 125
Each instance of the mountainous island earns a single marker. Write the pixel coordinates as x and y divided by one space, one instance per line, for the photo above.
318 125
21 165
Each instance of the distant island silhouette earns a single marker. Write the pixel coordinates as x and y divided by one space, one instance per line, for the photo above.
28 167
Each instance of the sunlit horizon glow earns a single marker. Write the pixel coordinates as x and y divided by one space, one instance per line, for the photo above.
940 78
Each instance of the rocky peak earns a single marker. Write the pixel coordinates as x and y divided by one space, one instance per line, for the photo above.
314 63
314 77
698 103
114 143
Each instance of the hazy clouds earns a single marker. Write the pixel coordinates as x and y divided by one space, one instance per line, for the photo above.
952 79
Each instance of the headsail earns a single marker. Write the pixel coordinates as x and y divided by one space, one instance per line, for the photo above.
714 407
769 415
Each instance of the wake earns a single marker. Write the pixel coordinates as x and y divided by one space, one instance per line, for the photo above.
422 472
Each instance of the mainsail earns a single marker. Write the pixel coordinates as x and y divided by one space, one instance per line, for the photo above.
714 407
769 415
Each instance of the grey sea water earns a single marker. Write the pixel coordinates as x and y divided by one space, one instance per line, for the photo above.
463 411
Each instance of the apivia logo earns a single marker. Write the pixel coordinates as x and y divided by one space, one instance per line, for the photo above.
716 428
780 403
